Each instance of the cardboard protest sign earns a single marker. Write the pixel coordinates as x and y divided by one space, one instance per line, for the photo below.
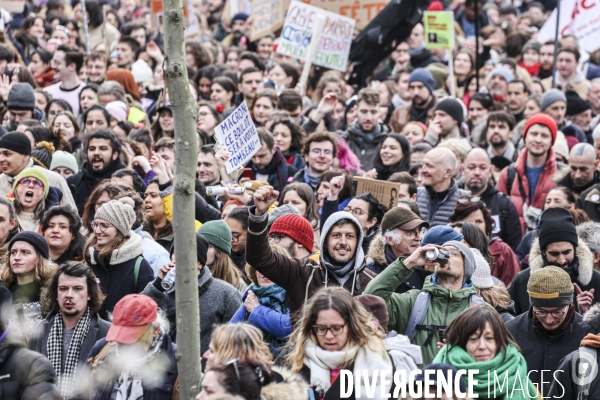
439 29
267 17
362 12
13 6
577 17
385 192
238 134
336 39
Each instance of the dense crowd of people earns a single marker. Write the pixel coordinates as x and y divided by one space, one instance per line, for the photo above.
487 258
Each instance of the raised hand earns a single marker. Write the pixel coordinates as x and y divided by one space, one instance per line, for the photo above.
584 299
336 185
264 198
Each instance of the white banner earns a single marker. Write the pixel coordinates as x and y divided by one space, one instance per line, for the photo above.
577 17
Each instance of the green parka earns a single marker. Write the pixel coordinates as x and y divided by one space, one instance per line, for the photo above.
445 304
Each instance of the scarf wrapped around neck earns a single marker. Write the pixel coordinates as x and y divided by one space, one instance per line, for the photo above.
311 179
364 138
509 366
273 297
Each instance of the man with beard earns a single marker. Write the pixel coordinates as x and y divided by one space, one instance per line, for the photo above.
448 292
448 116
103 151
558 244
498 133
498 83
366 134
532 173
268 164
477 174
68 333
295 234
436 200
546 60
342 261
421 85
583 169
516 96
579 113
549 328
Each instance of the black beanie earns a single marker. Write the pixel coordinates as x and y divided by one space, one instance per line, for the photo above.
5 307
453 108
21 97
34 239
556 225
575 104
201 248
17 142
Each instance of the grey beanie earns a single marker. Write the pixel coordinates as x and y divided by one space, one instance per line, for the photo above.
482 277
552 96
62 159
504 73
470 265
119 213
281 211
532 45
21 97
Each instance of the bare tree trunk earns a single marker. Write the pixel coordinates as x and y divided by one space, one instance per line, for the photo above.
185 110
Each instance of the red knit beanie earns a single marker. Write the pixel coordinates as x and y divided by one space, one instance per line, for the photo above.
297 228
541 119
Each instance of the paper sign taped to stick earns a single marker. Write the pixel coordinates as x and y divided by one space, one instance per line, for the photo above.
385 192
336 39
13 6
238 134
267 17
362 11
439 29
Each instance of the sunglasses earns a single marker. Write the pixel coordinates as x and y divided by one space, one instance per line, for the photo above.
464 200
28 181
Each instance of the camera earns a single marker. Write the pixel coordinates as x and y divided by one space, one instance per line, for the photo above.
439 255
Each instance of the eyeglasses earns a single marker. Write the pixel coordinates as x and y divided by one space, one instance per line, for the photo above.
544 313
101 226
28 181
357 212
417 231
335 329
236 238
464 200
318 152
276 237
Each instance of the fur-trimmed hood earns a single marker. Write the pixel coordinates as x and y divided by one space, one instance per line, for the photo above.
131 249
583 253
377 251
293 387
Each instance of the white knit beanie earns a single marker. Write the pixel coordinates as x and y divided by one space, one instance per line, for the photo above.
119 213
62 159
482 277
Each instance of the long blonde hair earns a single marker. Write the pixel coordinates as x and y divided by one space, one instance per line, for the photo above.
361 329
223 268
44 269
242 341
251 272
497 296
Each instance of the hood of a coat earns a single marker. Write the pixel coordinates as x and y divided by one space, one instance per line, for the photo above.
593 314
359 256
289 389
582 252
377 250
437 290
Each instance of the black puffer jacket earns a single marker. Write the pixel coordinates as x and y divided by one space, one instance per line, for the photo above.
24 374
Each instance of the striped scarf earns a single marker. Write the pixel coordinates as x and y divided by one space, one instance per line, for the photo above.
65 369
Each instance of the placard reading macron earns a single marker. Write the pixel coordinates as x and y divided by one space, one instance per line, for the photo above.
238 133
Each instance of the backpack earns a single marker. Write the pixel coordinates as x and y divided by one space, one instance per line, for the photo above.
587 360
510 177
419 311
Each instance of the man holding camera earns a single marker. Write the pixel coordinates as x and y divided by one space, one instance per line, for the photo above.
424 315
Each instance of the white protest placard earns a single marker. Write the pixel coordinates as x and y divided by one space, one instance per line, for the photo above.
336 39
577 17
238 134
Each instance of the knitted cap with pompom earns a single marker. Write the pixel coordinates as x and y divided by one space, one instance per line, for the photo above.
120 213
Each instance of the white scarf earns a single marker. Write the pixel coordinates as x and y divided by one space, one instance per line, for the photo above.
321 362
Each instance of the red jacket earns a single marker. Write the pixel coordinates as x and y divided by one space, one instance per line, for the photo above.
506 263
544 185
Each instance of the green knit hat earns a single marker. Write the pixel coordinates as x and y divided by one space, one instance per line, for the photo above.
218 234
36 173
550 287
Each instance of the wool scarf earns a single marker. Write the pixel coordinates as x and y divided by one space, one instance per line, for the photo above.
321 362
273 297
509 366
361 137
65 369
311 179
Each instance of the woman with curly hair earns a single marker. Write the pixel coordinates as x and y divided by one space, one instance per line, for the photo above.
196 56
289 138
61 227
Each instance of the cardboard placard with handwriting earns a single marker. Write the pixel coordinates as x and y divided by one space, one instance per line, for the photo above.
385 192
13 6
267 17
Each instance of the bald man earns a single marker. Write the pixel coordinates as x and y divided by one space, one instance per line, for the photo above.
477 174
583 168
436 200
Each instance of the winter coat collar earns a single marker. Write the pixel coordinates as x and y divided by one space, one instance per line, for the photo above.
287 389
550 166
129 250
377 250
582 252
436 290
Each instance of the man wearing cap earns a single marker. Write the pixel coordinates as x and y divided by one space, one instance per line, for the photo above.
295 234
551 329
579 112
401 234
421 85
449 289
269 164
21 106
583 169
533 170
448 116
365 135
498 83
137 357
218 299
239 30
15 157
554 104
558 244
568 76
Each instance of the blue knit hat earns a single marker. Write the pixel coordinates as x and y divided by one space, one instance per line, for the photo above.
503 72
423 76
441 234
